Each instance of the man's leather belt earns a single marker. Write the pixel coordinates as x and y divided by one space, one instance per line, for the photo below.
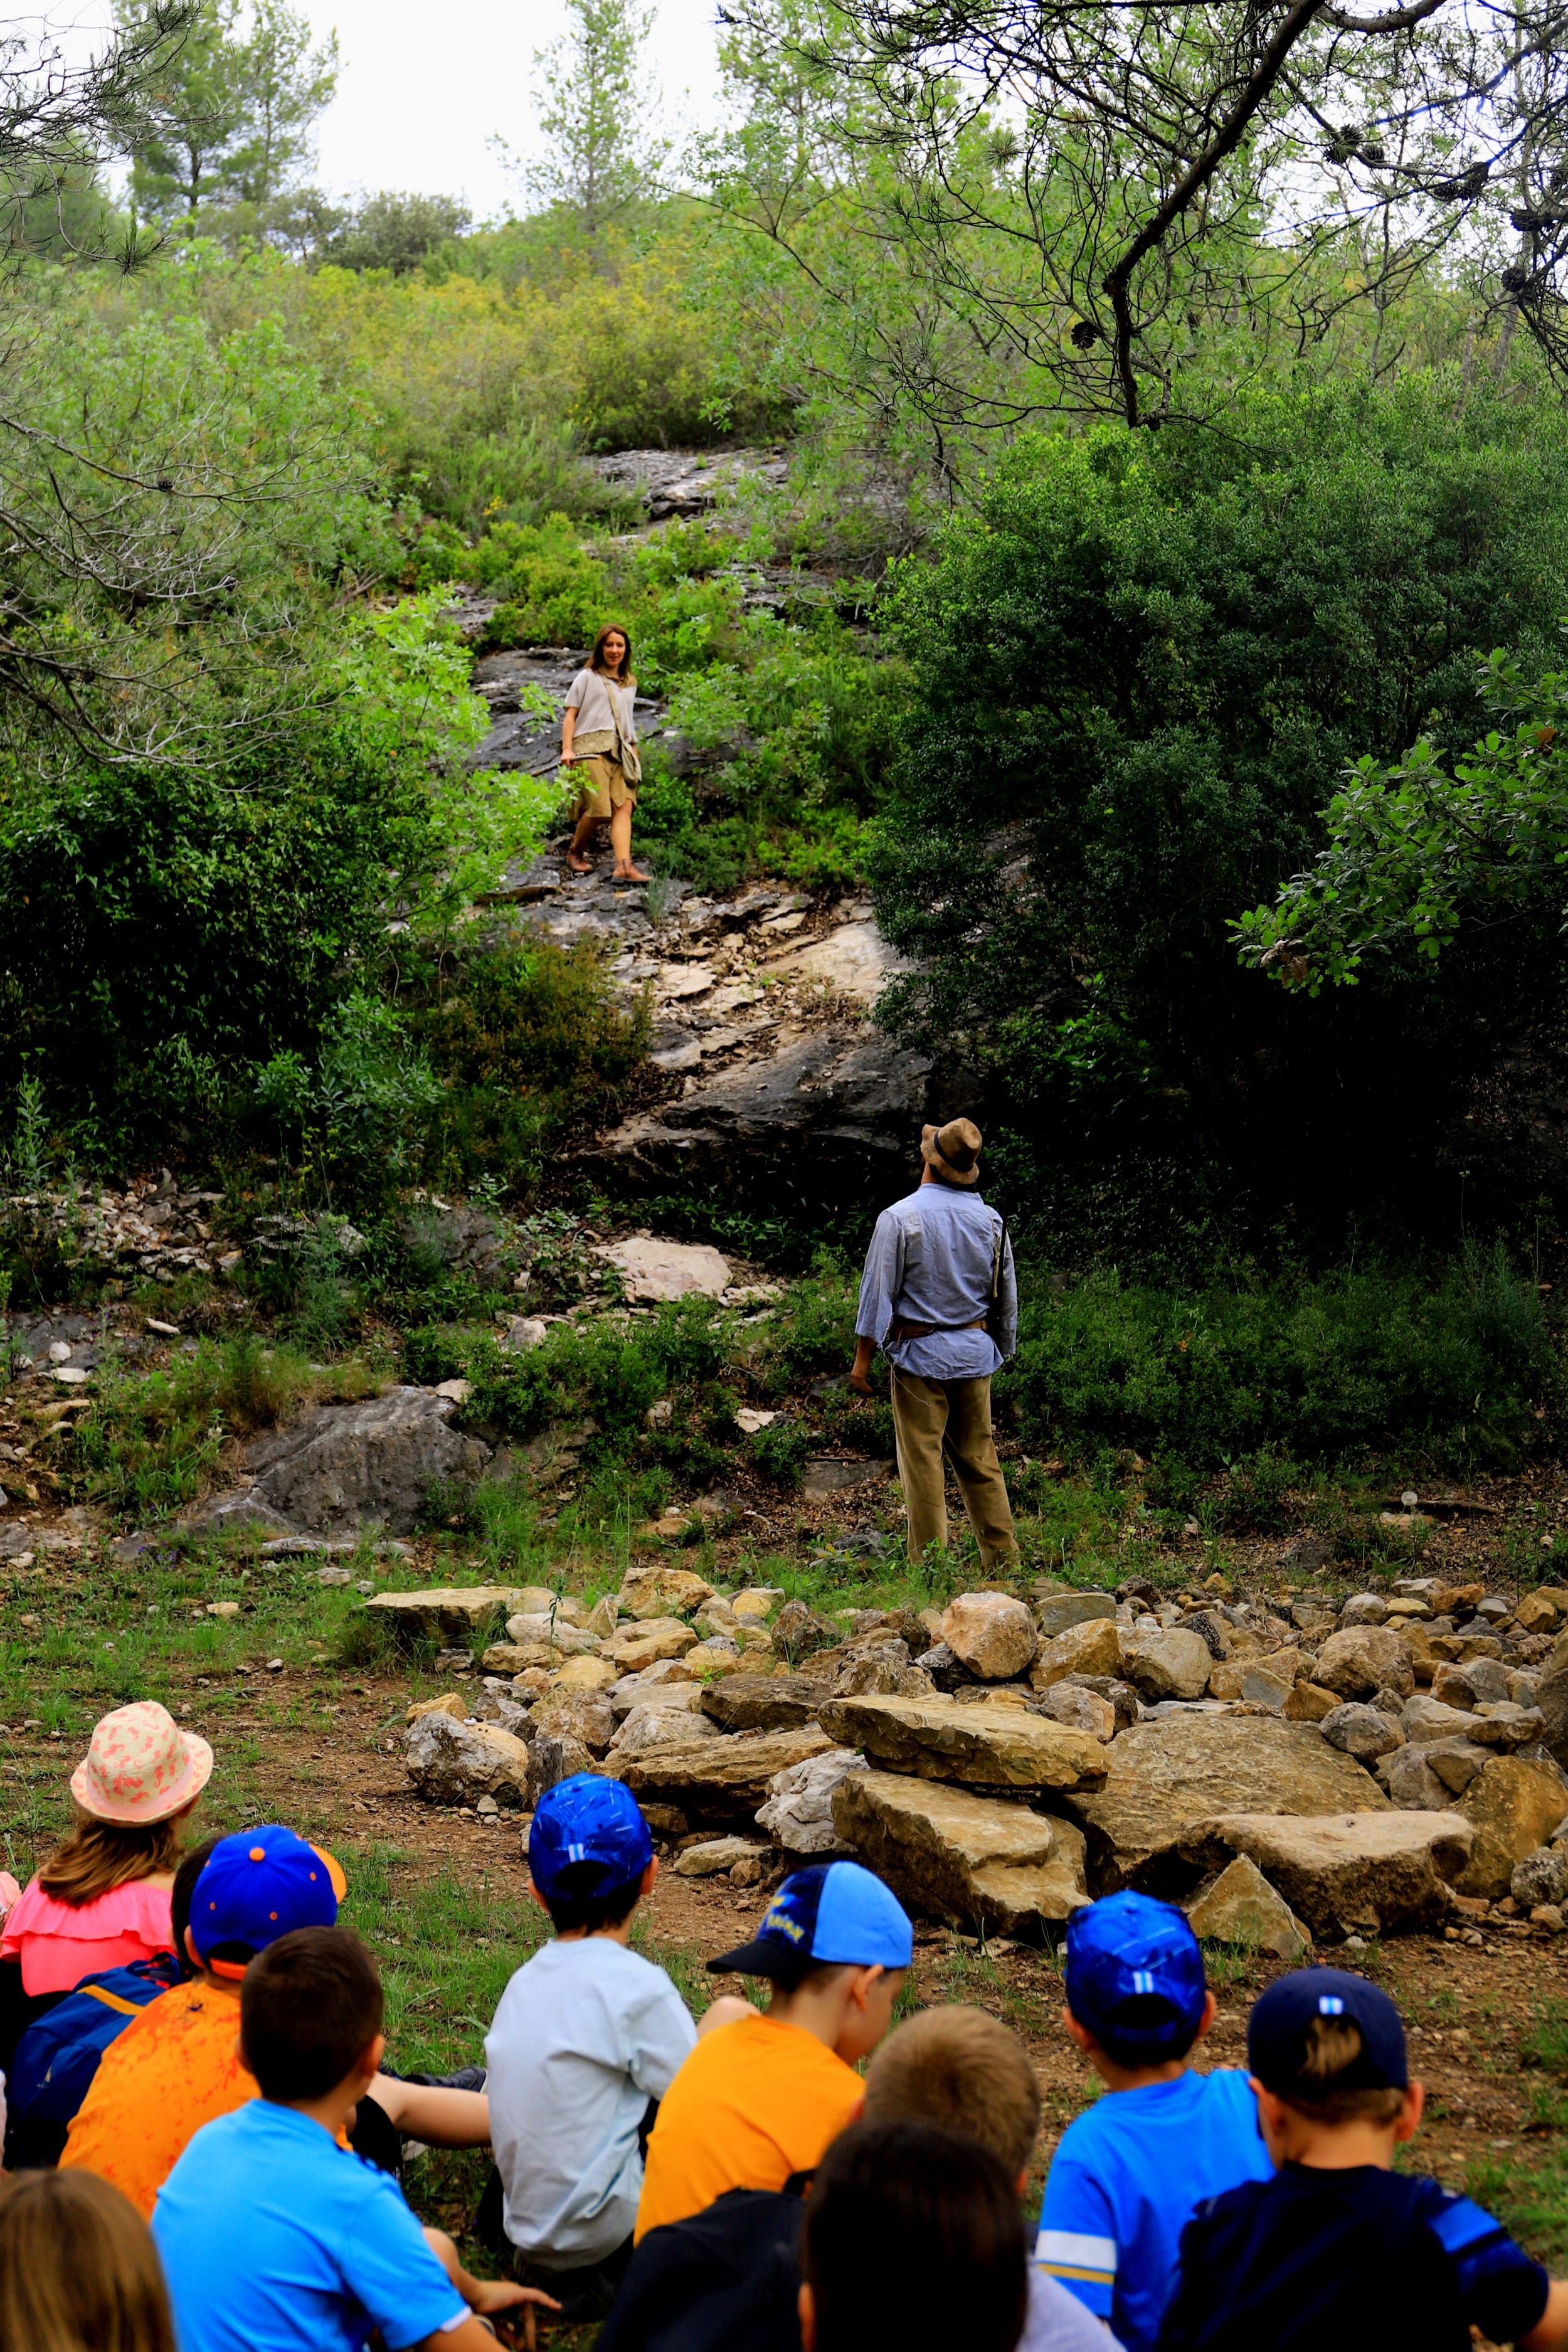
902 1330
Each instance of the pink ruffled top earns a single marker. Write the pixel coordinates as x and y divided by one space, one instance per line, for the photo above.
59 1943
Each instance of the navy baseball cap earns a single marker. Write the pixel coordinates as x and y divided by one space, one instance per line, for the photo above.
833 1913
1134 1976
257 1885
1277 2033
587 1825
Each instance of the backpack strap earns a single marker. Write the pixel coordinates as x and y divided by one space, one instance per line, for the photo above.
113 2001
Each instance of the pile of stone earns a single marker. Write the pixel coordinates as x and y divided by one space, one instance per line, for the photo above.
152 1228
1000 1764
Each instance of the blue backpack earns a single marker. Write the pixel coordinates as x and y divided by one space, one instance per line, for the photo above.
59 2055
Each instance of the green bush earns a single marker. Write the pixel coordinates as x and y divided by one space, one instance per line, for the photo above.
524 1040
1374 1362
1138 673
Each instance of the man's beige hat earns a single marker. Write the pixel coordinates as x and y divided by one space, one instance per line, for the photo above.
954 1150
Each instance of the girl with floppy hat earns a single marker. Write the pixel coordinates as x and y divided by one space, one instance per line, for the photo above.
103 1900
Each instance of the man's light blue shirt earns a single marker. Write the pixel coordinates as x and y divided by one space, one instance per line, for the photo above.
931 1261
274 2239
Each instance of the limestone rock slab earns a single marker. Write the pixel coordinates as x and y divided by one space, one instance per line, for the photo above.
990 1634
1171 1663
764 1702
974 1859
938 1738
453 1763
1364 1660
798 1814
1165 1776
1241 1907
1514 1808
720 1779
376 1461
653 1271
454 1613
1092 1646
1383 1870
658 1593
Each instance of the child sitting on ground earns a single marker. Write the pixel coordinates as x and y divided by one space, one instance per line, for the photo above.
761 2096
587 2036
964 2071
175 2068
913 2236
1128 2174
1336 2247
78 2270
274 2237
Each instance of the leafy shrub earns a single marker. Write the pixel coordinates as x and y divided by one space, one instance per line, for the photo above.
1331 1368
527 1039
357 1109
435 1352
1138 673
781 1452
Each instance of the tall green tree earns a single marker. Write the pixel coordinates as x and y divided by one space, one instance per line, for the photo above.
598 112
237 112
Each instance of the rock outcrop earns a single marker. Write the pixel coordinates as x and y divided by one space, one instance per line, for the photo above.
1165 1777
938 1739
1377 1870
974 1860
348 1465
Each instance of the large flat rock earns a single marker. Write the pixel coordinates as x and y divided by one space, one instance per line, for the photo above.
721 1780
765 1702
937 1739
1166 1775
1513 1807
974 1859
448 1612
656 1271
1381 1871
848 1093
345 1465
853 960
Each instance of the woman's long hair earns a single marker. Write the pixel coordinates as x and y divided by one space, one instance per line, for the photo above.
623 677
78 2271
100 1855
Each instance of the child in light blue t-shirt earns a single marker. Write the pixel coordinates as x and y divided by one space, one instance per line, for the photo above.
1127 2174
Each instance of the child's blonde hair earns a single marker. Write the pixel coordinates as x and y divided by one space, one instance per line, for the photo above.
78 2271
1332 2047
962 2070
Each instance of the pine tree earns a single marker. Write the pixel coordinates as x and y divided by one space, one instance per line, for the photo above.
236 112
598 114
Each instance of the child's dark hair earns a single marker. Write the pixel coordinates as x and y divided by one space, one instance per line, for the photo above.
914 2235
182 1892
308 2006
570 1910
1153 2031
1331 2048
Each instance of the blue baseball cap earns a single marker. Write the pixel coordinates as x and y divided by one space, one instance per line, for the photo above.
257 1885
584 1824
1277 2033
1134 1976
833 1913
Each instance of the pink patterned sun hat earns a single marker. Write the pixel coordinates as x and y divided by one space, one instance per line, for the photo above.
140 1766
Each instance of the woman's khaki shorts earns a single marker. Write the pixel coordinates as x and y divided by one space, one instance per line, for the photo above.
602 787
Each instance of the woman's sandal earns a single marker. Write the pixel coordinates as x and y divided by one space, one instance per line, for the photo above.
576 865
630 873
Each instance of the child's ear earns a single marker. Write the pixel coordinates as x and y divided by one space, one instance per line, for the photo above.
644 1884
806 2304
1408 2122
1077 2033
1211 2008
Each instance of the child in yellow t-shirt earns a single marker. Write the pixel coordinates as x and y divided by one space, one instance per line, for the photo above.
759 2099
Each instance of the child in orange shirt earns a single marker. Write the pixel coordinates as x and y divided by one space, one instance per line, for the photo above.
760 2098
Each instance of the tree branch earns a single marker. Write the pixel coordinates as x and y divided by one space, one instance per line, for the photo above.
1267 73
1398 20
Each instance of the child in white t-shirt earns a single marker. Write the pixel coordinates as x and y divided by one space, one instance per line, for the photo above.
586 2043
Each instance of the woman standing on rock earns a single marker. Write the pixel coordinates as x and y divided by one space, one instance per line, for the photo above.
598 735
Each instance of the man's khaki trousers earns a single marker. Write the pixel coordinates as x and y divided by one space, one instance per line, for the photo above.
933 1418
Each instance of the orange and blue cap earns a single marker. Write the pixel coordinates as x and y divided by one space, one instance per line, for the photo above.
257 1885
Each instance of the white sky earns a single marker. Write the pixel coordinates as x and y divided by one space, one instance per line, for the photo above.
420 89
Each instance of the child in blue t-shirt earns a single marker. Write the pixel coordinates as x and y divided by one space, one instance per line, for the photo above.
1128 2174
276 2238
1337 2247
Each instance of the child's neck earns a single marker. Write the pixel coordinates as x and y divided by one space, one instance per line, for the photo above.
335 2113
621 1935
819 2007
1351 2145
1135 2078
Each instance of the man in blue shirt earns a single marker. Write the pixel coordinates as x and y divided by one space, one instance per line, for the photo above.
1128 2174
274 2237
939 1295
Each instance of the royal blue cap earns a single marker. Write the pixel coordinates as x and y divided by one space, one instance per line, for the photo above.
257 1885
833 1913
594 1828
1134 1976
1277 2032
